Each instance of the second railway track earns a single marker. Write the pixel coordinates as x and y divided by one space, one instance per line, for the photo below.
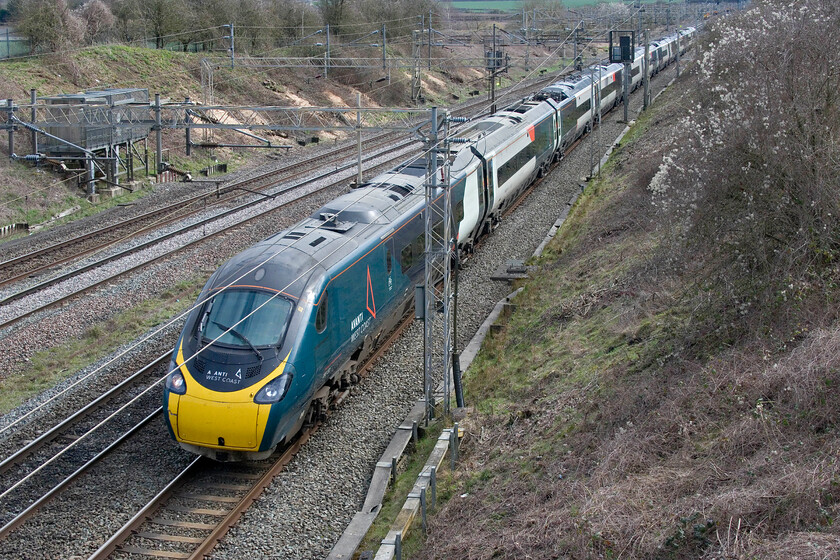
40 261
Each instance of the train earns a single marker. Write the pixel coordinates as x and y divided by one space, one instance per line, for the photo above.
281 327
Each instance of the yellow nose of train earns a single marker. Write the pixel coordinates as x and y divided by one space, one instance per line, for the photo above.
224 425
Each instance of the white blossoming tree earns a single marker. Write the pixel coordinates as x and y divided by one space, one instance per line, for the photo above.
755 182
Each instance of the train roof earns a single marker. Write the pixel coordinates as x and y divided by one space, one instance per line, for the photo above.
608 68
525 111
322 241
369 204
287 260
276 263
564 89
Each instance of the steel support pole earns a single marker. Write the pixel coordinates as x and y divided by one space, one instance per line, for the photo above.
678 53
327 58
129 162
33 98
91 174
187 131
384 62
600 93
359 138
111 165
158 137
430 281
639 13
593 102
10 109
626 91
437 336
493 75
646 65
527 41
430 40
232 51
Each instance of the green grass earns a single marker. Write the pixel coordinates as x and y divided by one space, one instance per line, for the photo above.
48 367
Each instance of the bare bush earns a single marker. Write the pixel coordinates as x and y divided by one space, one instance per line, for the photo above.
98 21
48 24
754 184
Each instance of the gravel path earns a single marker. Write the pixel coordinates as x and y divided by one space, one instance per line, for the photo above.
304 512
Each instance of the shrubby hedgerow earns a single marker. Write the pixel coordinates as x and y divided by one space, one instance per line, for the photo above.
754 184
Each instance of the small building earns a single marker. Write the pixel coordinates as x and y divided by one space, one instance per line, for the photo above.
106 123
84 119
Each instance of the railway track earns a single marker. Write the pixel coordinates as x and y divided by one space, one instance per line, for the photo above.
181 245
75 272
37 471
197 493
40 261
212 496
47 258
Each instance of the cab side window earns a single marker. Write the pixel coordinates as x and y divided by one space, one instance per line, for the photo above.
321 315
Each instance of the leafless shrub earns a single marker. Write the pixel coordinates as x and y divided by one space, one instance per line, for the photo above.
724 451
48 24
98 20
754 184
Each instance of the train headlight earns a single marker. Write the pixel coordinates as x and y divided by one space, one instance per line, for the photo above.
175 383
274 390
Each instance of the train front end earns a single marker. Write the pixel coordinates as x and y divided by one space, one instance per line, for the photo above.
233 392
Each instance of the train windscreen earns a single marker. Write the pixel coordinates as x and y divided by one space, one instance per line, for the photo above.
267 318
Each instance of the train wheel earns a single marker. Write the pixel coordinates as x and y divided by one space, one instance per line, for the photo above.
315 413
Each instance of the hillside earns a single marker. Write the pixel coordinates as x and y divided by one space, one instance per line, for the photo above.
33 196
666 387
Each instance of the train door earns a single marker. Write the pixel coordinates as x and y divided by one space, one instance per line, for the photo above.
489 184
325 331
485 190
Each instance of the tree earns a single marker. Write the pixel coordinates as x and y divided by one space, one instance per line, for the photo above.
164 17
127 20
48 24
333 13
98 19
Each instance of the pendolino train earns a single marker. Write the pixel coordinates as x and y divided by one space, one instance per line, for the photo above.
283 325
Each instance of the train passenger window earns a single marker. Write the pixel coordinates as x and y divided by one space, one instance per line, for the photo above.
321 315
388 263
405 258
413 252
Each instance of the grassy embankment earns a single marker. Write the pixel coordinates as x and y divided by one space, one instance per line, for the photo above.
33 197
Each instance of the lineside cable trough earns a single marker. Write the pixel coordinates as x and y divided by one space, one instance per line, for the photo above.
385 470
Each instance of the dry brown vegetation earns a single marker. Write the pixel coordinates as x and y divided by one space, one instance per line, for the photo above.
27 196
668 385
